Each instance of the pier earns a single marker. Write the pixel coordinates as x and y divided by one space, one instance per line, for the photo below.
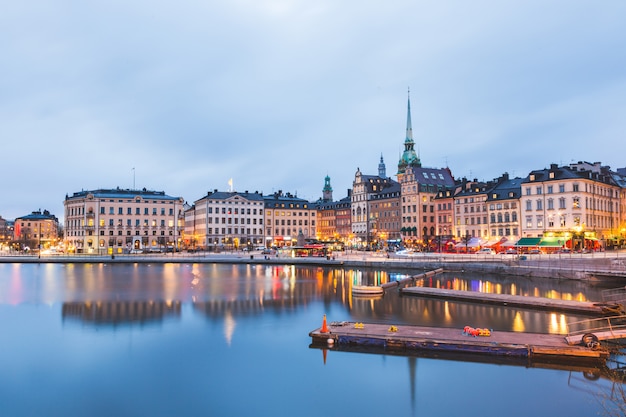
395 339
538 303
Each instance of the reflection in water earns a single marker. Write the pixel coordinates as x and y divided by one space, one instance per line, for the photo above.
102 293
287 301
121 312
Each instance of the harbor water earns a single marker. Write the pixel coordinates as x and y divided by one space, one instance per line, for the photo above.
191 339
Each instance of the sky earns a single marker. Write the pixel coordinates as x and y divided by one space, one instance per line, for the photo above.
182 96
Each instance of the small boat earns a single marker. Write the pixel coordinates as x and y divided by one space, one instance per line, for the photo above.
367 290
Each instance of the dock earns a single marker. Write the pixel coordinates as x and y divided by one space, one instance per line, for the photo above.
405 339
539 303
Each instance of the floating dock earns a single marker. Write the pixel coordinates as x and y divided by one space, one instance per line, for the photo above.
539 303
394 339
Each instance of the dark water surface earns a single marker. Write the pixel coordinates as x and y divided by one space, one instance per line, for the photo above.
232 340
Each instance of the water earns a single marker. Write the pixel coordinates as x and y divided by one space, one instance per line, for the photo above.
207 339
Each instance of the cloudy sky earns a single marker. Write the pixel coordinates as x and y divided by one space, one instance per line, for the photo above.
276 94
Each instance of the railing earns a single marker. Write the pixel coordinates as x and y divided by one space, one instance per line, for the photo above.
604 328
617 295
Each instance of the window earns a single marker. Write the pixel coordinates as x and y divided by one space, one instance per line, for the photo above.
550 204
538 190
561 188
550 189
576 202
539 205
562 202
529 205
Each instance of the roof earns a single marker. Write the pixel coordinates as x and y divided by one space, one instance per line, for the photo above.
227 195
437 177
123 193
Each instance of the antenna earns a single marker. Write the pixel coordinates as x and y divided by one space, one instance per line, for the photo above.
134 178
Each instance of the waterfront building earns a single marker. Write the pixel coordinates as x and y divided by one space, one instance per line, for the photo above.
375 206
333 217
444 240
470 214
287 217
579 205
109 221
225 220
326 212
6 234
420 187
36 230
385 217
503 209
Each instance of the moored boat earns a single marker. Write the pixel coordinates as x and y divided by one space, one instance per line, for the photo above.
367 290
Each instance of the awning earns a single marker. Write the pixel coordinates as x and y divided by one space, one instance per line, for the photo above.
552 242
507 243
472 243
492 243
528 241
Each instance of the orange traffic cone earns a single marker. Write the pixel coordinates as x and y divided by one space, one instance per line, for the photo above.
324 327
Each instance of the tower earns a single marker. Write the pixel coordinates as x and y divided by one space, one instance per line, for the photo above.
409 158
327 191
382 171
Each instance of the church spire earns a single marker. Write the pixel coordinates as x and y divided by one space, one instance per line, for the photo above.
382 171
409 127
409 158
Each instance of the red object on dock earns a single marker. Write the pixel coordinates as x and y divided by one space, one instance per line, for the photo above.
324 326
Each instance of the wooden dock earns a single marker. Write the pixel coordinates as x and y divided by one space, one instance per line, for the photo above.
386 338
539 303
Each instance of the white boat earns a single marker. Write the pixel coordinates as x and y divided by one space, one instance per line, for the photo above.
367 290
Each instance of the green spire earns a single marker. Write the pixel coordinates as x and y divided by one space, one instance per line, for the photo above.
409 158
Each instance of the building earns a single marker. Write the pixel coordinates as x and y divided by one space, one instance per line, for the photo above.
444 240
333 217
109 221
373 199
579 206
6 234
503 210
286 218
420 187
470 214
385 218
225 220
36 230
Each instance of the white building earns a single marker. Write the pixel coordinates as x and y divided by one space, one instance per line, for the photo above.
113 221
225 220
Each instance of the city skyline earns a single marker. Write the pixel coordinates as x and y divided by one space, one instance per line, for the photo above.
277 95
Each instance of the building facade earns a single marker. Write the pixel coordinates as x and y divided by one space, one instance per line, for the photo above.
365 189
225 220
503 210
286 218
109 221
580 204
38 230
